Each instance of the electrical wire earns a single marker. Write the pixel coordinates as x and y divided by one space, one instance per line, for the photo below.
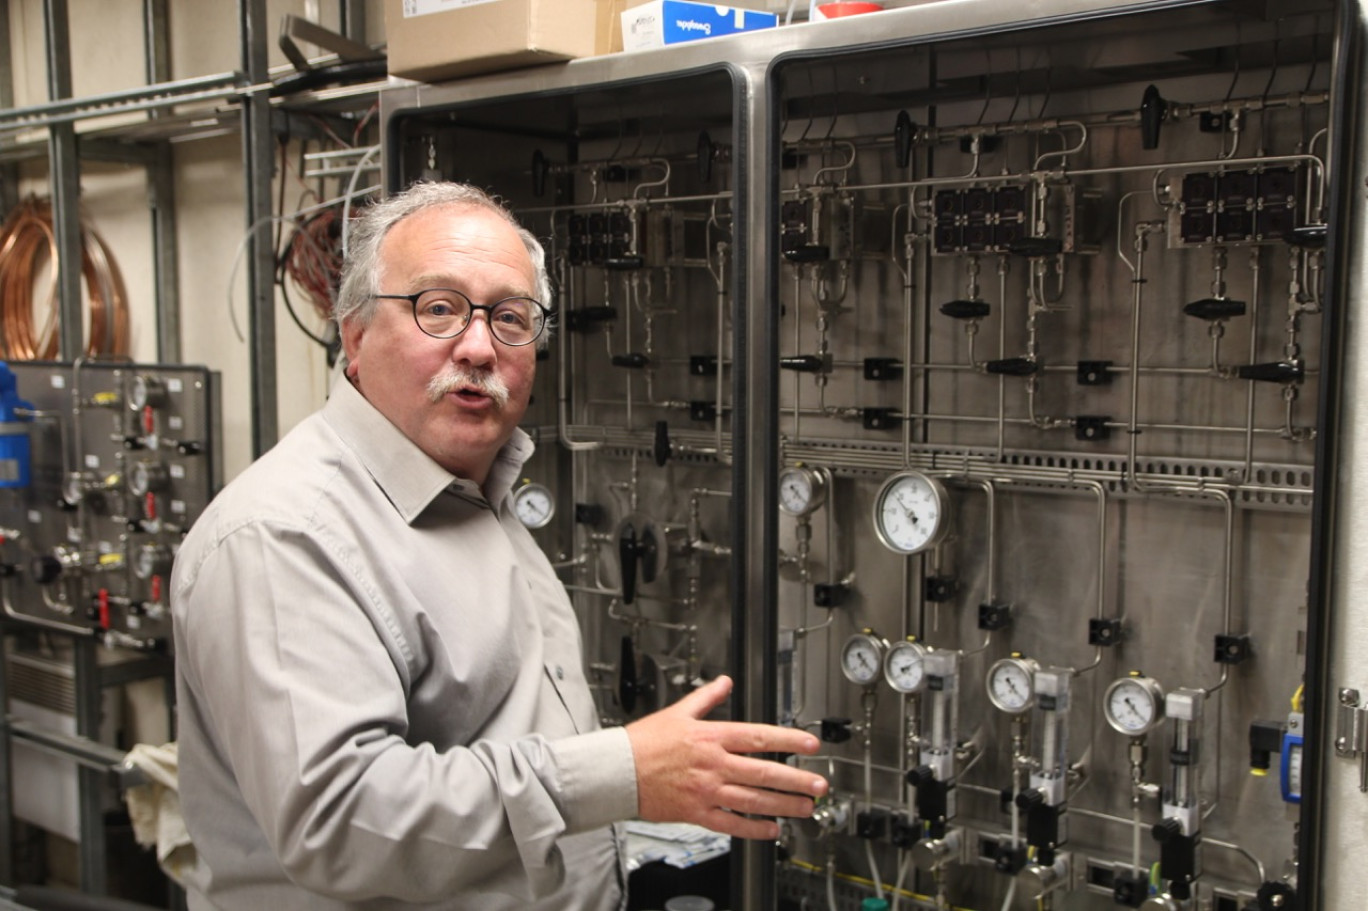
28 242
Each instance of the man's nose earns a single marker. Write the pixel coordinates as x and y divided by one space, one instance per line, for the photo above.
476 344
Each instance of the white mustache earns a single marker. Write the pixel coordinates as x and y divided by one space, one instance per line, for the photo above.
454 379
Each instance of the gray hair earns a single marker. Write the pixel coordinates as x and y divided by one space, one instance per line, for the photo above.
361 271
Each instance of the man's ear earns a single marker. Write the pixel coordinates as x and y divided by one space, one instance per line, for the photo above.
352 331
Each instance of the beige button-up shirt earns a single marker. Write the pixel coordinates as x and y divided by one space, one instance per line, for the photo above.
381 690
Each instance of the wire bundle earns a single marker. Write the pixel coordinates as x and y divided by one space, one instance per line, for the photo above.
312 259
27 243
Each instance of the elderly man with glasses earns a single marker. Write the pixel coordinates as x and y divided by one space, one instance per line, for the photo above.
382 700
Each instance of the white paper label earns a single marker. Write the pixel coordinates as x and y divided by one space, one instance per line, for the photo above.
428 7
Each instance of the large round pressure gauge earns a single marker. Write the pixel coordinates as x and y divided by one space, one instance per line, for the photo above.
910 512
1011 684
862 657
802 490
533 505
1134 705
905 666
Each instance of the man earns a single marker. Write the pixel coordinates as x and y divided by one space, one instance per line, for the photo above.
381 691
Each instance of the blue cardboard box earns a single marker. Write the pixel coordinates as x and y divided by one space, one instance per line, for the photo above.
663 22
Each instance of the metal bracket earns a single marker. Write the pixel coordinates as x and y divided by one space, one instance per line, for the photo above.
293 28
1351 732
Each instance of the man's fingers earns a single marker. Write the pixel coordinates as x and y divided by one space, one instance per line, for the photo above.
703 700
740 826
742 737
756 802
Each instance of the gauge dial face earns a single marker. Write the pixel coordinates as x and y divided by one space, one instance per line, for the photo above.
534 505
151 560
909 512
905 666
802 490
144 477
1011 684
144 391
862 658
1134 705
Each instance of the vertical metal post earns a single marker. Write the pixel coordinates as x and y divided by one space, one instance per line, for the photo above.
755 450
9 174
9 192
64 177
91 782
353 16
1332 807
162 194
257 159
156 45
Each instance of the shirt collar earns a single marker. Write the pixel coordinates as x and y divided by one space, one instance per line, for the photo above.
407 475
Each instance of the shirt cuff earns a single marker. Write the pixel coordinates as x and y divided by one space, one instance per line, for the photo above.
597 777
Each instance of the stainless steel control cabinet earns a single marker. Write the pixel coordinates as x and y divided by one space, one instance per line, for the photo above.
975 383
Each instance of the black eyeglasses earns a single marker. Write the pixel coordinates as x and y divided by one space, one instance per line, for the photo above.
444 313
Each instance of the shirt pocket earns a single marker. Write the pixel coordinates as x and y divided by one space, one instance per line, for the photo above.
573 701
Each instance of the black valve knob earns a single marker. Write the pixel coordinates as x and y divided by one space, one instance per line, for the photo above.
1166 829
707 151
1153 108
904 131
921 775
660 446
802 363
1214 308
634 360
1030 799
835 730
627 560
966 309
45 569
1274 372
189 447
1013 366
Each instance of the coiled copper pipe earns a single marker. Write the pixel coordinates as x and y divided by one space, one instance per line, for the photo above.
27 245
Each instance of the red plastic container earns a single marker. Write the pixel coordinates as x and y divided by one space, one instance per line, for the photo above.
847 8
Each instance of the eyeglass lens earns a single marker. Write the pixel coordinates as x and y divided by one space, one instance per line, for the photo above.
443 314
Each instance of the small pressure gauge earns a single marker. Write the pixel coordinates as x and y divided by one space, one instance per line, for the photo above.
152 560
862 657
144 390
1134 704
905 666
1011 684
534 505
802 490
147 477
910 512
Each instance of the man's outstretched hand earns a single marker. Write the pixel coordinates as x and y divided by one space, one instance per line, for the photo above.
691 770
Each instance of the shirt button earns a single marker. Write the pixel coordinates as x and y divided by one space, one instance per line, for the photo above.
560 672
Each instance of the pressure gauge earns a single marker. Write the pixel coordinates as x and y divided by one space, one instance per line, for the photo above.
802 490
1134 704
152 560
910 512
1010 684
145 477
534 505
905 666
144 390
863 657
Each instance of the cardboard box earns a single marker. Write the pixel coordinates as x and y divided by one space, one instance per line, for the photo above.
433 40
663 22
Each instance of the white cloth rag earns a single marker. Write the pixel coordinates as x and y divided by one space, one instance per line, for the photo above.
154 808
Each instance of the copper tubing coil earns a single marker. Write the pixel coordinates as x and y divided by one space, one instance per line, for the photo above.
27 243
